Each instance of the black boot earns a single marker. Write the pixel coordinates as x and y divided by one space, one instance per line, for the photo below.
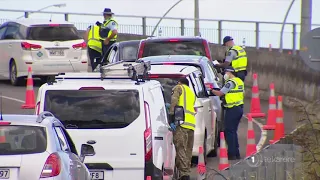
185 178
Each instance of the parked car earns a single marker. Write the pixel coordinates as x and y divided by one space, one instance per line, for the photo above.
48 47
123 51
33 147
206 129
124 121
184 45
211 78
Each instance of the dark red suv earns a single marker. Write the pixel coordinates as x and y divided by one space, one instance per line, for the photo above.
157 46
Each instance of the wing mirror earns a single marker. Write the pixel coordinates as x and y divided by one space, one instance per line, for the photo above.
86 150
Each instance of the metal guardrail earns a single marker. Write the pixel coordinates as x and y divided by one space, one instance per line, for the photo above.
254 37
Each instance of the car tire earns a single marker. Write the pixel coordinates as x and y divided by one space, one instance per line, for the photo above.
14 80
214 152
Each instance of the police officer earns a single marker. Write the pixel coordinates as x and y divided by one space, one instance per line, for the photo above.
233 92
236 57
183 134
109 31
94 44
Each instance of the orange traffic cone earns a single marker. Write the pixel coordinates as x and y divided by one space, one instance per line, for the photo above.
272 112
30 98
201 165
279 130
251 144
224 162
2 136
255 109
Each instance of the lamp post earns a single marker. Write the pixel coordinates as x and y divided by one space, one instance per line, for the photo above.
53 5
283 24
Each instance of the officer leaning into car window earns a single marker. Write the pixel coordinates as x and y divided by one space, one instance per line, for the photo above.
233 92
109 31
236 57
183 132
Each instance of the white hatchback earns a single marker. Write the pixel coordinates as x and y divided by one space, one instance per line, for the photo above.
48 47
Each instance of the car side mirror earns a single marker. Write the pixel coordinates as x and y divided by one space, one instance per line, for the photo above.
86 150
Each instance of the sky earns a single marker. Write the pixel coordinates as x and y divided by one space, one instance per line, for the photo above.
245 10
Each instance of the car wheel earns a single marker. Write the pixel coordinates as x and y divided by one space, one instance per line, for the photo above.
14 80
214 152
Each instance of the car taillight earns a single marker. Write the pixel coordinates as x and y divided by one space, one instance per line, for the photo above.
147 133
173 40
174 76
54 25
209 85
52 167
141 49
207 49
38 108
3 123
28 46
82 45
92 88
168 63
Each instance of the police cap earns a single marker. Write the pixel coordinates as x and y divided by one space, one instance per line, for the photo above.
227 39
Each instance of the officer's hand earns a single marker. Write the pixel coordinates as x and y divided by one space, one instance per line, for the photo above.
173 126
106 41
98 23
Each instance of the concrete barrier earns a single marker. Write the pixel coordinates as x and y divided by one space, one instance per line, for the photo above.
292 78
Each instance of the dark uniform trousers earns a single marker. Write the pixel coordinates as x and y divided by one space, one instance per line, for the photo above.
92 55
242 75
183 141
106 50
231 122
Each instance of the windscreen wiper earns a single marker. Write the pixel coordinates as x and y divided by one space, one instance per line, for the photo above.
71 126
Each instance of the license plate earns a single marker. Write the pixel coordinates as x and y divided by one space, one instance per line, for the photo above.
4 173
97 175
56 52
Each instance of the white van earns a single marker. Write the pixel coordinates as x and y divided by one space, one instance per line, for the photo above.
123 119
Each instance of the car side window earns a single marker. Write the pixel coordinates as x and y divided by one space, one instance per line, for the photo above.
2 31
62 139
112 57
201 88
11 32
214 70
69 141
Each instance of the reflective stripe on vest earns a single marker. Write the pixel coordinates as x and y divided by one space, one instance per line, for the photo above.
188 106
235 96
94 39
239 63
109 34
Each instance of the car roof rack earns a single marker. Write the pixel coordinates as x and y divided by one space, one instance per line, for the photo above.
137 71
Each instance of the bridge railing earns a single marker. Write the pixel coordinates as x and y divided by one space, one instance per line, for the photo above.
248 33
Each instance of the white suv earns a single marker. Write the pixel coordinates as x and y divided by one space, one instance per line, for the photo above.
125 122
48 47
206 129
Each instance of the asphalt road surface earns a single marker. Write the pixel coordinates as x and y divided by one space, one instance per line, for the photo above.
15 96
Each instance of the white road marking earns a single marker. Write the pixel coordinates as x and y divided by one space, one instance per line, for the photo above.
263 137
13 99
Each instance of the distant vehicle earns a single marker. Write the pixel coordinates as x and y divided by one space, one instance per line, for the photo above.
48 47
125 121
210 74
33 147
123 51
206 125
184 45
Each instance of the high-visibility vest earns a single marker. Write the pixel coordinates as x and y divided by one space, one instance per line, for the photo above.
235 96
94 41
187 100
240 62
110 32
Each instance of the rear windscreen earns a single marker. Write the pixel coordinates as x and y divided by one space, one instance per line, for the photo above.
55 33
174 48
93 109
16 140
167 84
129 52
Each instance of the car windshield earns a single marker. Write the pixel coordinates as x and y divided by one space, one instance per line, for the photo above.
54 33
173 48
93 109
22 140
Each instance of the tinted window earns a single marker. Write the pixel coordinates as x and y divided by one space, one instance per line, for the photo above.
129 52
62 139
200 88
22 140
56 33
2 31
93 109
11 32
173 48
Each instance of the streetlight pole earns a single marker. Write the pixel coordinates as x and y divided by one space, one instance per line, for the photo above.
196 17
165 14
284 23
54 5
306 18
